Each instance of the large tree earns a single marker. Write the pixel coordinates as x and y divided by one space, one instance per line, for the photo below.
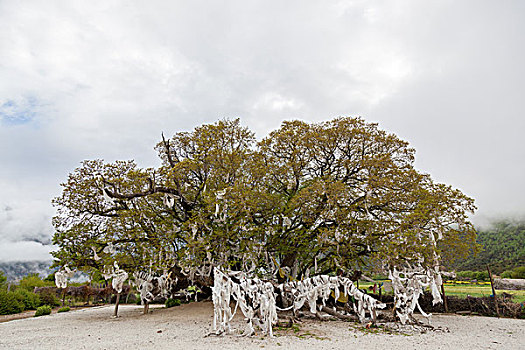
308 198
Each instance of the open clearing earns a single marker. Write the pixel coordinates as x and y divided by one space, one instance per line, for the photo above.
185 327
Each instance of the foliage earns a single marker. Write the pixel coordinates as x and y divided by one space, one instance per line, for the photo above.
64 309
30 300
473 275
31 281
480 290
192 292
518 272
48 297
3 279
97 277
43 310
172 302
506 274
21 296
10 303
18 301
503 245
50 278
310 198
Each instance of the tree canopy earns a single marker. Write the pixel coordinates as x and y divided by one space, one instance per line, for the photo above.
308 198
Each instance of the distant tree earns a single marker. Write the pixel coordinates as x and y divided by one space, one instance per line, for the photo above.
31 281
3 279
308 198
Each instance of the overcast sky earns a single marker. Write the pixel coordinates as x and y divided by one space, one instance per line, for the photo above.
103 79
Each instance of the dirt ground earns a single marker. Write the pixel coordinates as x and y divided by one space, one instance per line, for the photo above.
186 327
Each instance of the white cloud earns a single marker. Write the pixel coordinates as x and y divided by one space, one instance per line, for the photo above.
25 251
276 102
103 79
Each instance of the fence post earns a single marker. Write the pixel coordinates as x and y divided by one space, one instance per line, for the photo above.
493 291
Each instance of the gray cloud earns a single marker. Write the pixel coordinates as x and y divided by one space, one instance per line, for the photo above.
103 80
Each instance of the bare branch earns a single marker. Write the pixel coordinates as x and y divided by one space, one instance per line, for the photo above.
166 144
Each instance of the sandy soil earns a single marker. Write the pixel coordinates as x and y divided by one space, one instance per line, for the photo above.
31 313
186 326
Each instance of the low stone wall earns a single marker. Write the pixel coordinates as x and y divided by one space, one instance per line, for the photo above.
509 284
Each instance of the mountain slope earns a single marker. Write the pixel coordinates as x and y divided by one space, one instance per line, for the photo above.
17 269
503 247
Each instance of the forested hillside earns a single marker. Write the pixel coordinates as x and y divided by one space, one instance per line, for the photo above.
503 247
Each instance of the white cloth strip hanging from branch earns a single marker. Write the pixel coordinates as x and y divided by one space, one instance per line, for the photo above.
409 287
119 277
62 276
153 287
257 299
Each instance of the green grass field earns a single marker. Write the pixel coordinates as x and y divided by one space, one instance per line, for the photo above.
462 289
476 290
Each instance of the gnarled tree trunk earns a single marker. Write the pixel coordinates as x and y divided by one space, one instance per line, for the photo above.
117 302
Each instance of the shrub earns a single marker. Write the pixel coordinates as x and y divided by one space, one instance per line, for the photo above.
482 275
506 274
473 275
465 275
10 303
31 281
64 309
48 297
191 292
518 272
30 300
43 310
172 302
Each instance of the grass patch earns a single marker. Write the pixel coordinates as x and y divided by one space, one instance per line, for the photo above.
295 330
375 329
64 309
518 296
481 290
172 302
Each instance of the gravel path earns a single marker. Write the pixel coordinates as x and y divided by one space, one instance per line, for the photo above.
185 327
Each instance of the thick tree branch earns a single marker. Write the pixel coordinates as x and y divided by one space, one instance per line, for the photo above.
151 190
